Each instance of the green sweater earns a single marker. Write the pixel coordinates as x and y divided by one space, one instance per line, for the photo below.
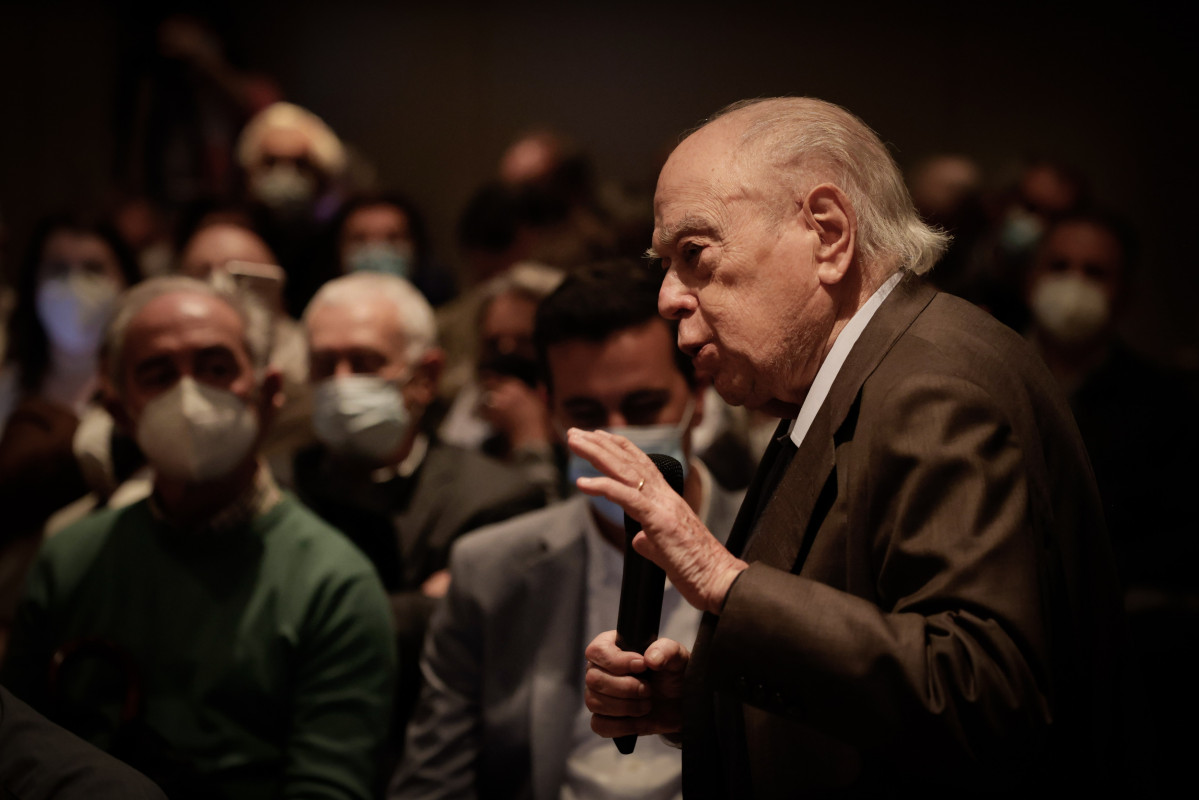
266 656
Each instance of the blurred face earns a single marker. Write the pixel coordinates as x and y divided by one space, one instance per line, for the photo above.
212 247
507 325
360 338
740 276
1083 250
183 334
377 224
285 147
628 379
69 253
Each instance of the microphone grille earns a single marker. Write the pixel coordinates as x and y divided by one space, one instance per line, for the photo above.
671 470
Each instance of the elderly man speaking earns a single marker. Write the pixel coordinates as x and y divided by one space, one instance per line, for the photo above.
918 592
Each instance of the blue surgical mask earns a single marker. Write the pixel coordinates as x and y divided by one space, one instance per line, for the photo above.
383 257
578 467
665 439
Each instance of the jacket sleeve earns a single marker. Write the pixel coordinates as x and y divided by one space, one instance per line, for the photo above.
939 648
441 753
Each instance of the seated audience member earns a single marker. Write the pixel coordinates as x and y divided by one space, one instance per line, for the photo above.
385 233
1135 417
500 411
40 760
1139 426
493 720
400 495
243 643
73 273
232 254
293 165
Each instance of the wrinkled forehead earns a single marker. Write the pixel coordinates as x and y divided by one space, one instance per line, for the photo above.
186 314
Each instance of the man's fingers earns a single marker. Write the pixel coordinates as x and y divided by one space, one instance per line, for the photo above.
604 654
667 655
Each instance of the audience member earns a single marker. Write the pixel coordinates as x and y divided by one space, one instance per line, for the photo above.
73 272
242 643
232 255
1135 416
1045 191
399 494
502 710
1138 421
500 411
293 163
385 233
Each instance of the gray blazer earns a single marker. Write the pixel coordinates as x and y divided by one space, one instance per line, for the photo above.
503 662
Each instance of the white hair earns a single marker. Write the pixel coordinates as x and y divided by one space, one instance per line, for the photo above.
812 141
413 311
326 150
256 319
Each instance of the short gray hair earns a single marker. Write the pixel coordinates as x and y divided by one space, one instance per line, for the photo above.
412 309
256 320
812 140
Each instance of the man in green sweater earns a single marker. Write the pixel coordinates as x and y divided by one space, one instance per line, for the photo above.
218 635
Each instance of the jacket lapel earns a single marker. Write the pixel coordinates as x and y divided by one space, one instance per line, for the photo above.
556 584
774 540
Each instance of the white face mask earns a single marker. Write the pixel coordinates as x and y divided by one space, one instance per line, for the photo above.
195 432
284 187
74 310
1070 308
665 439
360 415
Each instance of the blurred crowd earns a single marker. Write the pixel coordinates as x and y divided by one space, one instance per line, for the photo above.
354 379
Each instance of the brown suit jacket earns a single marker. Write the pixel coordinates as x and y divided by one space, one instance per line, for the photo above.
930 602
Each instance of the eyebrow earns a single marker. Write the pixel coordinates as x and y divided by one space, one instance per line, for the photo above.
692 223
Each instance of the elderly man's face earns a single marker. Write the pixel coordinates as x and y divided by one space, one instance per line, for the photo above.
739 274
360 338
184 334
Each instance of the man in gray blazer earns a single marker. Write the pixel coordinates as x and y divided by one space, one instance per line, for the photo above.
918 595
501 713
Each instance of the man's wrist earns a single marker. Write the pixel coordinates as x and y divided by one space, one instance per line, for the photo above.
725 584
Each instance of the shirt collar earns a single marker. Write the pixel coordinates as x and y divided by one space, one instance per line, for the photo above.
836 359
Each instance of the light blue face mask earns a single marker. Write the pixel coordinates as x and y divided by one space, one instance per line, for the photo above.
665 439
383 257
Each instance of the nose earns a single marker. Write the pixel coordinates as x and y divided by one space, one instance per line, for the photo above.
342 368
675 301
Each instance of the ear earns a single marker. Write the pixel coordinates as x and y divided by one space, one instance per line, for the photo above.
426 376
270 395
828 214
111 401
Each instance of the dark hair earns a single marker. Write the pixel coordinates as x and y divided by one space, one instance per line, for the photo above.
29 347
596 301
416 222
1119 228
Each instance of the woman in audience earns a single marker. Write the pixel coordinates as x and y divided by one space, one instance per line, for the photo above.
73 272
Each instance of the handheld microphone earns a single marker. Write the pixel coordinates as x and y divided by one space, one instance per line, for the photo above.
641 587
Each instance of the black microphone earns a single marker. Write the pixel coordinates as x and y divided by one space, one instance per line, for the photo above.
641 587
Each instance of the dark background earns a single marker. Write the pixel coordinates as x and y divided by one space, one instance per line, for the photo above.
431 93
